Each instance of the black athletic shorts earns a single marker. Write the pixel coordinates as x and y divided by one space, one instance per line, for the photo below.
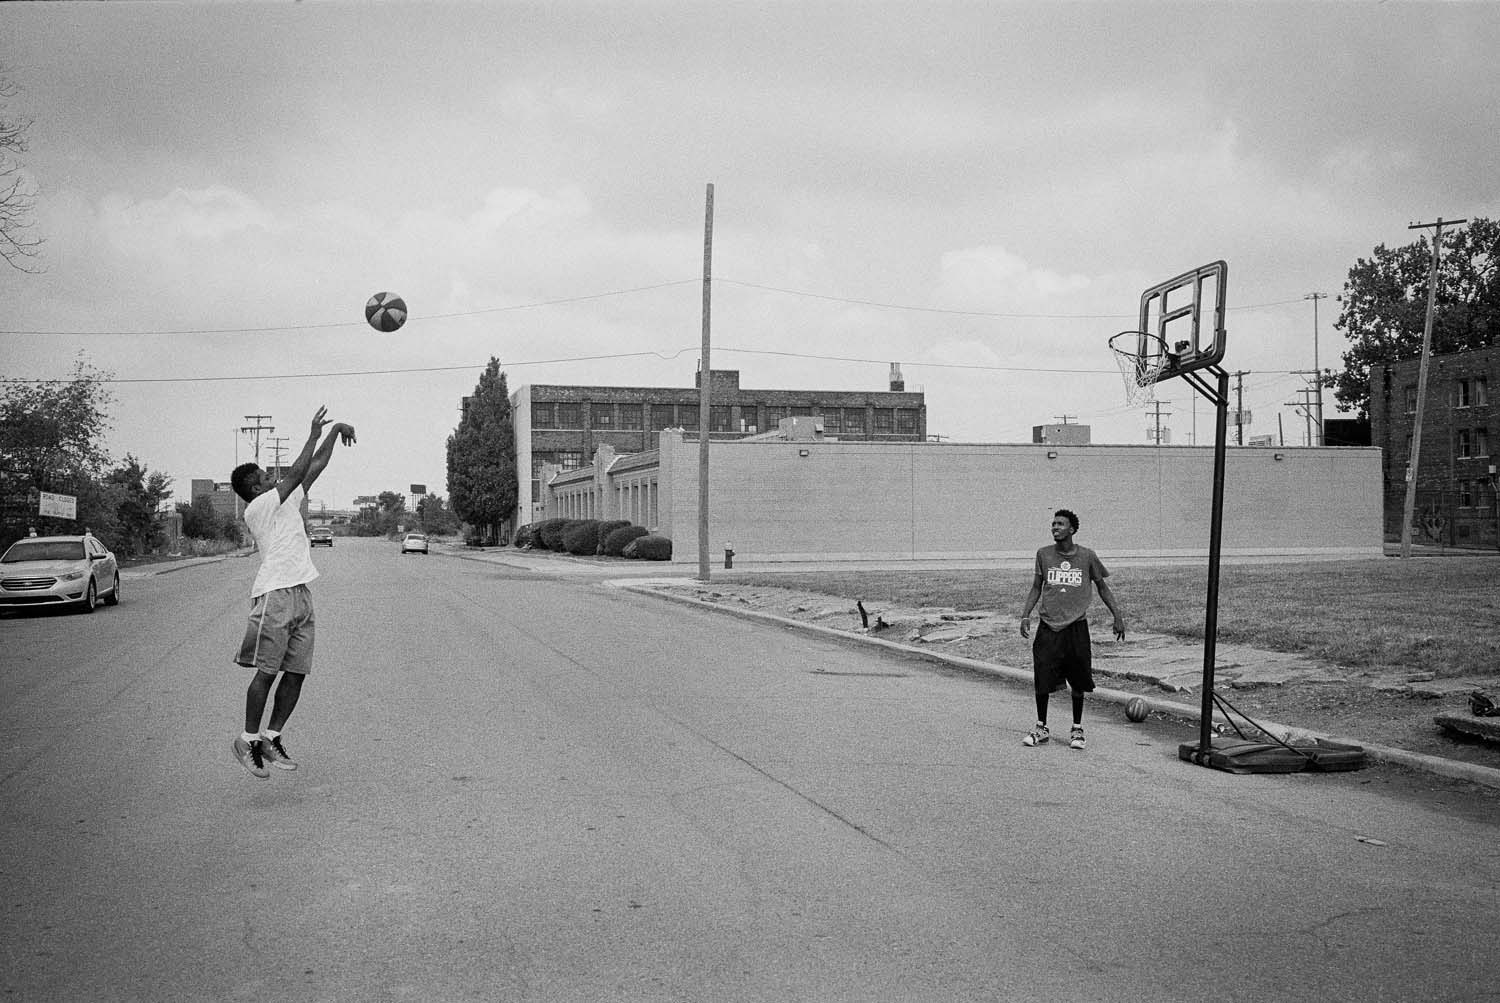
1063 658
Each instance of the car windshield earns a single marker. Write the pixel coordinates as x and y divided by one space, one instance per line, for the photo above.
416 536
43 550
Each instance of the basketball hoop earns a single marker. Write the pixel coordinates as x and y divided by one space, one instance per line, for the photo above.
1141 357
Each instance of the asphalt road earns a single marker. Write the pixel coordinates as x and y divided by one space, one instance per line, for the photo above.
518 787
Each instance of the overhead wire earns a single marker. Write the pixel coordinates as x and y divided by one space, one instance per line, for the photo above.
591 358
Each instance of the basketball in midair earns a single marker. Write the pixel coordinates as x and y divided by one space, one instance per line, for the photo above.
386 312
1136 709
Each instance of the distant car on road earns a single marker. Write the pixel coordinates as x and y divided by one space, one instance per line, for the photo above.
321 536
414 543
59 571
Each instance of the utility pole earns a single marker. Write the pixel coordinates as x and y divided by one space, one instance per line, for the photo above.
1304 408
1317 369
257 429
1239 406
1156 408
705 382
1413 462
1311 405
276 449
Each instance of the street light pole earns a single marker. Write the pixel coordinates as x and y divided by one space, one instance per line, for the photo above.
1317 369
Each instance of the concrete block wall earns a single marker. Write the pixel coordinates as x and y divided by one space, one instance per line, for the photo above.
863 501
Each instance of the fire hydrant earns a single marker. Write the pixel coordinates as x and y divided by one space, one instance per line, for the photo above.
728 556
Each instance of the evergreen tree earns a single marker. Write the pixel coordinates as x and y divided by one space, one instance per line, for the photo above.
482 486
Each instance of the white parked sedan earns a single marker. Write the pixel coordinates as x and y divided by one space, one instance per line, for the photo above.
57 571
414 543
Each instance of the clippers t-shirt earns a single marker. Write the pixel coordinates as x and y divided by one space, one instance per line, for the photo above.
1067 583
285 555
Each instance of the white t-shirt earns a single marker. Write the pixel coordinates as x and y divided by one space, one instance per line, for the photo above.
285 555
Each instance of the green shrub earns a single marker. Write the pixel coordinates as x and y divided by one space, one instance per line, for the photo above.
549 533
653 548
582 537
608 526
615 543
523 535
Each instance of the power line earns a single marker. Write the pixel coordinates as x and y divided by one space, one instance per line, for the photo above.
361 323
541 304
666 356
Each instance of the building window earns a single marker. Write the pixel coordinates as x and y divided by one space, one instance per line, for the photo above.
906 421
803 411
1411 399
885 421
1465 494
718 418
833 421
662 416
1465 444
773 418
570 459
1462 399
854 421
1481 391
569 415
688 420
1481 442
630 417
602 415
543 415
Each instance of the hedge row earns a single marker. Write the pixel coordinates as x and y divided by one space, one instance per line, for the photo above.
588 537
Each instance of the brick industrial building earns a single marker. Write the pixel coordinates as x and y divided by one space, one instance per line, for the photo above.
1456 498
565 425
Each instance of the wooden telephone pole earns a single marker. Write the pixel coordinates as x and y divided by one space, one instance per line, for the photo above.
1416 431
705 383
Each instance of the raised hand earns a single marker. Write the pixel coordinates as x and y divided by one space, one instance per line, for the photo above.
345 433
319 420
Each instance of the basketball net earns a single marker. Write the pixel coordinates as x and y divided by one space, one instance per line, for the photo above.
1141 358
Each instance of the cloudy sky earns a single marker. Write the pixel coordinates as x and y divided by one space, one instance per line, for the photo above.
978 191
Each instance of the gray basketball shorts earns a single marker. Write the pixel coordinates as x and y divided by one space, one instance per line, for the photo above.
279 636
1062 658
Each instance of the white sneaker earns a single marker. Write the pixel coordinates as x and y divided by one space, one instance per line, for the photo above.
1037 736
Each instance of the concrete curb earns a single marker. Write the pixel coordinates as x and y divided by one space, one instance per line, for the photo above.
1483 775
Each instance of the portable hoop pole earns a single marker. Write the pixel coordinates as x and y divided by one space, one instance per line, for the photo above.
1220 400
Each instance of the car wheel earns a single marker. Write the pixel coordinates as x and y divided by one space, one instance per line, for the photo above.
90 597
114 593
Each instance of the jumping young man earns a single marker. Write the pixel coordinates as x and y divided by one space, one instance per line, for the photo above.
1062 654
279 637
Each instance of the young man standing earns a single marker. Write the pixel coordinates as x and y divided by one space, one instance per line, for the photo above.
279 638
1062 654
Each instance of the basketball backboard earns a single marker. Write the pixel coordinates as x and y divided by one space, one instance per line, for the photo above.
1187 314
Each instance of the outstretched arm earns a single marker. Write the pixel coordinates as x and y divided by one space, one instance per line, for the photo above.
301 472
339 431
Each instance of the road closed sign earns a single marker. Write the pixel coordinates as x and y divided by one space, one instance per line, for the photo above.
61 506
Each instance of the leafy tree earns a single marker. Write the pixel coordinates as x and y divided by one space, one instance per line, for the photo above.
138 495
382 518
434 515
17 191
482 456
1384 305
200 520
52 439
